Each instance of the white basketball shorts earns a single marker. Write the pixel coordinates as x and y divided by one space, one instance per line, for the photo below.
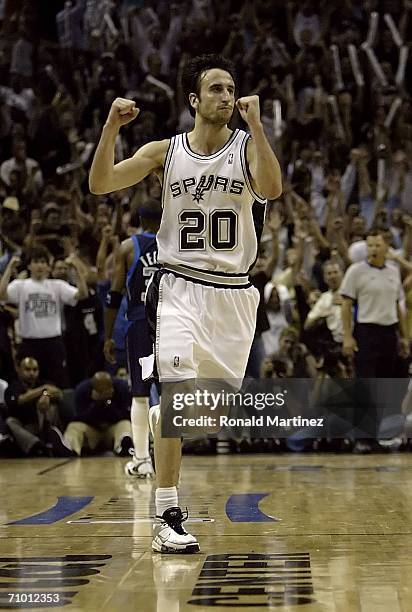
201 327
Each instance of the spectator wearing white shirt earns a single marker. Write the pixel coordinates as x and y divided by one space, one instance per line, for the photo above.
39 301
26 165
279 315
328 307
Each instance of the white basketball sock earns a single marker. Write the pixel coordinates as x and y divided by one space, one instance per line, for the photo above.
165 497
140 426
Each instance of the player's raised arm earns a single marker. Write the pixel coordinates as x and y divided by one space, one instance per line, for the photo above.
106 176
263 165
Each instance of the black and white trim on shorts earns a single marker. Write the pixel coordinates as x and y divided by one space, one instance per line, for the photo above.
221 280
153 305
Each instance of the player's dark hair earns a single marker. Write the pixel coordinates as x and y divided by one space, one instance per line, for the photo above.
194 70
152 209
38 253
150 215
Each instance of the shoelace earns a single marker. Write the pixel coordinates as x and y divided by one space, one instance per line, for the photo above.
138 460
175 522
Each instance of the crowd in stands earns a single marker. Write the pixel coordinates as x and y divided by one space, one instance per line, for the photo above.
335 83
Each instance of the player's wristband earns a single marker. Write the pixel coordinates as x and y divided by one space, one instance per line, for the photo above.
114 299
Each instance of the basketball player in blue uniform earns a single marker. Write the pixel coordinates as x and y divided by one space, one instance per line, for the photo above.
201 305
135 264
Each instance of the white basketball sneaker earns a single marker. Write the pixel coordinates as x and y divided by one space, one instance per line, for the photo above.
169 536
139 467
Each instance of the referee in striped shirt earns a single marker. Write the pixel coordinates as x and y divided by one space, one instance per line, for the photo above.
380 333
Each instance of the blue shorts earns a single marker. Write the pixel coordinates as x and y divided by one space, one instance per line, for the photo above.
138 344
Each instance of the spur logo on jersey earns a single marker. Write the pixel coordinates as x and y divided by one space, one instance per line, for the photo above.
211 182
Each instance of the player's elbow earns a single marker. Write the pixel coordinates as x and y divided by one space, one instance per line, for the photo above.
100 183
97 187
276 194
273 191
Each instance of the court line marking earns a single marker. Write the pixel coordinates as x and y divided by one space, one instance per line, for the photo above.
213 535
306 467
131 521
65 506
54 467
244 508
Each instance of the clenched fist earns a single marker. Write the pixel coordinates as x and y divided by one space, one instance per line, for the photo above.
249 110
122 112
14 263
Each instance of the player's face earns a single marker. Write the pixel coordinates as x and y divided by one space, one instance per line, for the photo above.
216 99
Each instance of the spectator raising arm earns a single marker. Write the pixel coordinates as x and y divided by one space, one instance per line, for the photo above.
82 290
8 273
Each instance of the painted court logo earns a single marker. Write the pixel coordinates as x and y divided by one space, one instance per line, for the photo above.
58 578
254 580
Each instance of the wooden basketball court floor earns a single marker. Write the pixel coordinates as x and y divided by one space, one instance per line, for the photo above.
316 533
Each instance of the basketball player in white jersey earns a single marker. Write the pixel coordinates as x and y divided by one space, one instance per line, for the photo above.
201 305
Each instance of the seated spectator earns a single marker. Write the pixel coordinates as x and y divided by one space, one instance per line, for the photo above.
33 413
290 349
102 420
274 367
5 437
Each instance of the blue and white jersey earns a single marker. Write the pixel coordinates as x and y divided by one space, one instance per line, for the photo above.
138 277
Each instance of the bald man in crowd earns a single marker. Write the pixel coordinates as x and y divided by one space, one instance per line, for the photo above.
33 413
102 416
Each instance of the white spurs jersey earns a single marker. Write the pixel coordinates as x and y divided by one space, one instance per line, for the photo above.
212 218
